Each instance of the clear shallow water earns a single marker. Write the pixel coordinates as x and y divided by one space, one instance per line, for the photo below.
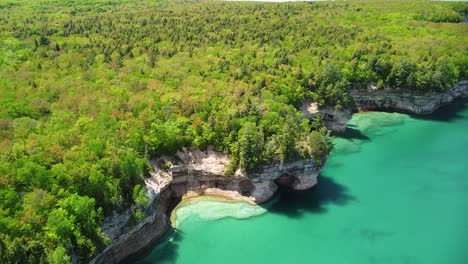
395 190
205 208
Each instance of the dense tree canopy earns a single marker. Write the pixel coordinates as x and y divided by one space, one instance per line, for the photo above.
91 90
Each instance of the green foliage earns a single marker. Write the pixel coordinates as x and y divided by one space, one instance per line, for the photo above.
167 137
59 256
231 167
250 147
60 226
333 87
139 196
320 145
91 90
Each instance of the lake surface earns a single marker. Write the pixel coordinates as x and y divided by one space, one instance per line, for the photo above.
395 190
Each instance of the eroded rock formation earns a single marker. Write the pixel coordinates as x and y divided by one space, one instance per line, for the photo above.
335 119
199 172
391 100
407 101
194 171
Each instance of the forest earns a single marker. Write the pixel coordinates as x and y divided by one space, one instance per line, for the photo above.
92 90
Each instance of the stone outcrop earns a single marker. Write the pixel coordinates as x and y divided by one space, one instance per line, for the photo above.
388 99
196 172
335 120
153 228
407 101
143 236
297 175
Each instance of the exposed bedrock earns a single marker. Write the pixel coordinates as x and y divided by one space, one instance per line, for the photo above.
298 175
196 172
388 99
407 101
140 238
335 120
199 172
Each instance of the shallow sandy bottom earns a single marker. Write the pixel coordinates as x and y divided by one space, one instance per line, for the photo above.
211 207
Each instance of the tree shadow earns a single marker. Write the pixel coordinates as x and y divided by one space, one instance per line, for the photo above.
352 133
165 250
295 204
446 113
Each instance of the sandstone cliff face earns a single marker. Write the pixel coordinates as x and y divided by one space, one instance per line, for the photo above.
196 172
140 238
298 175
407 101
392 100
335 120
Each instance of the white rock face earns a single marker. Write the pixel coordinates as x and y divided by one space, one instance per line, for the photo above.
190 160
300 174
209 161
195 172
158 179
309 109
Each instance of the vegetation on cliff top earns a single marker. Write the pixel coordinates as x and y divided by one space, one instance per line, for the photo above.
90 90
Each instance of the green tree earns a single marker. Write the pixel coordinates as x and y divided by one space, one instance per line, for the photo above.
60 227
59 256
320 145
250 147
17 253
285 143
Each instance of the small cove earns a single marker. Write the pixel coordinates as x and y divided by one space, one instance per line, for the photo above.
394 190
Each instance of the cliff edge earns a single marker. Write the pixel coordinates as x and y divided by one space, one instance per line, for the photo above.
196 172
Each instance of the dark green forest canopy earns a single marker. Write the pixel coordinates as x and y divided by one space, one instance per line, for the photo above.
91 90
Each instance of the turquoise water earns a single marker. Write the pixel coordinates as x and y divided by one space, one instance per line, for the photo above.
207 208
395 190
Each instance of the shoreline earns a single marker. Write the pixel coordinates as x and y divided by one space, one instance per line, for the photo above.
134 244
256 189
407 101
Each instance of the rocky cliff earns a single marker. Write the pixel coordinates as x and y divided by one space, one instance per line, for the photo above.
199 172
388 99
334 119
405 100
297 175
140 238
196 172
